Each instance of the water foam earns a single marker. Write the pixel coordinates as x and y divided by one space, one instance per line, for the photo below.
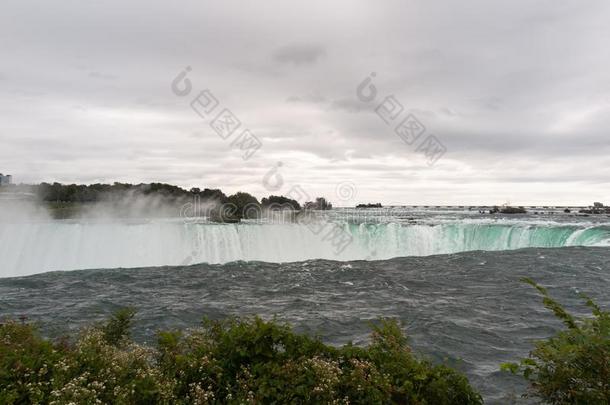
43 246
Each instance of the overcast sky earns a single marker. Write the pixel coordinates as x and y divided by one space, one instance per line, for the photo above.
518 92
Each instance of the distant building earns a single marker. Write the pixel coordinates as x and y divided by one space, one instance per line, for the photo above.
5 180
598 205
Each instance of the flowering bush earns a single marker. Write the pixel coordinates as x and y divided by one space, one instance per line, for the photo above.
231 361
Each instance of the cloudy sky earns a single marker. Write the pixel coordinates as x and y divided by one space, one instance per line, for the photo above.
518 92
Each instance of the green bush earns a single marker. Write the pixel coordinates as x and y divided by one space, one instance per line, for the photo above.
230 361
101 366
26 364
572 367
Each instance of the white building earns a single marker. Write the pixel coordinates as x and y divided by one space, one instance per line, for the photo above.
4 180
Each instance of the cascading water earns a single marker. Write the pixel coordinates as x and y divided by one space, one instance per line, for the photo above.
38 247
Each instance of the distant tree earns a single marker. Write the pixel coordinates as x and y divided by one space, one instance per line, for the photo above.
213 194
247 206
73 193
376 205
280 201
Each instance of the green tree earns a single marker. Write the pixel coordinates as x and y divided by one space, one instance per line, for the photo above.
247 206
573 366
280 202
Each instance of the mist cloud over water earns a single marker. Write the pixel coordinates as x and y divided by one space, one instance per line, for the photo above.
29 247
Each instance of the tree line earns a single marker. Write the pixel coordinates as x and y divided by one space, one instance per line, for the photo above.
167 194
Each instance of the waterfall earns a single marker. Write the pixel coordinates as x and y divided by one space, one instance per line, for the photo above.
29 248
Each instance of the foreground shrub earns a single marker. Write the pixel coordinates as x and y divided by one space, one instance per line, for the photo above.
572 367
231 361
101 366
26 364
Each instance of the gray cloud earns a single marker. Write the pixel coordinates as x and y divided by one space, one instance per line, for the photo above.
309 98
349 105
519 93
299 54
102 76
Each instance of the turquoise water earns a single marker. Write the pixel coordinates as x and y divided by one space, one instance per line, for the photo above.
38 246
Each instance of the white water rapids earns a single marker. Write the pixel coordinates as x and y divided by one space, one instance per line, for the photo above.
29 248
